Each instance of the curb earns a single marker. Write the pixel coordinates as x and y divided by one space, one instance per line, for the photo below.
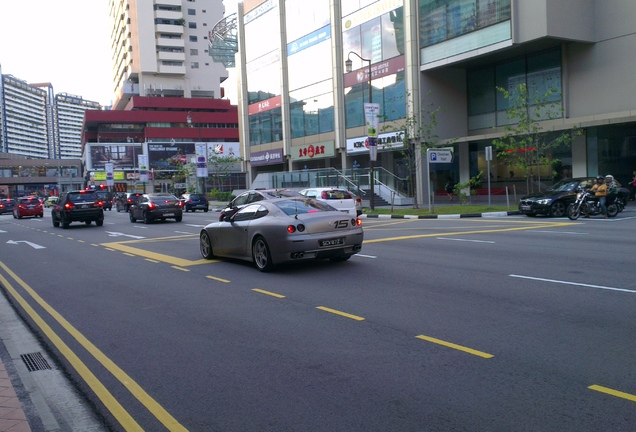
449 216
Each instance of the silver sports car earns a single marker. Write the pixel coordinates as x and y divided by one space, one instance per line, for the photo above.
275 231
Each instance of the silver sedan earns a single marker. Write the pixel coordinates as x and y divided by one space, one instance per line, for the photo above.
281 230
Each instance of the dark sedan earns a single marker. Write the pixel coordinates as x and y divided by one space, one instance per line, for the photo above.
554 201
271 232
6 205
160 206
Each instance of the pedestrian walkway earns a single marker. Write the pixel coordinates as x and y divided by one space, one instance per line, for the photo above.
12 416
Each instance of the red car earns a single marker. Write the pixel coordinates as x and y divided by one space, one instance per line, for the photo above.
28 206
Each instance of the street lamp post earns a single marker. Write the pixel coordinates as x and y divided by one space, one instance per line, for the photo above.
189 120
349 67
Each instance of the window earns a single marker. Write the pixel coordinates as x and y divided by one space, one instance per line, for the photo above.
194 52
194 65
193 39
192 11
487 107
192 25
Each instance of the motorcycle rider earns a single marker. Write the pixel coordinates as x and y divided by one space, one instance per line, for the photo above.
600 190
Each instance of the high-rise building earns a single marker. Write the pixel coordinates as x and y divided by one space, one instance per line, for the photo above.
160 48
38 124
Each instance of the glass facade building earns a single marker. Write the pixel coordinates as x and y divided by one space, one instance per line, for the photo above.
304 111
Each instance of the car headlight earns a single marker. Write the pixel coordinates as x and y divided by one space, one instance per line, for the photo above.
544 201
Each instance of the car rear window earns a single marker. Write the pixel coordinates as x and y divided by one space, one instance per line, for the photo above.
88 196
300 206
29 200
335 195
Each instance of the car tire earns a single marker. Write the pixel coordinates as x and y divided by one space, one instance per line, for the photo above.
87 222
65 222
99 222
205 245
557 209
261 255
56 223
132 218
205 210
146 217
178 218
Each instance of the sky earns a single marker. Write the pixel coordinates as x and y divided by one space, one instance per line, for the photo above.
62 42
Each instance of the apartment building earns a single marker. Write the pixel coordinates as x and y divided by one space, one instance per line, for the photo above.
300 106
160 48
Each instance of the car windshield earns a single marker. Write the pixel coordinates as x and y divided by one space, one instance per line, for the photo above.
299 206
281 194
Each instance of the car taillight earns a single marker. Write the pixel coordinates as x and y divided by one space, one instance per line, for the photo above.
356 222
69 205
180 204
151 205
359 200
292 229
99 203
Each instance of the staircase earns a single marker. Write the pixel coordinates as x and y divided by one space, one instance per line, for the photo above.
378 201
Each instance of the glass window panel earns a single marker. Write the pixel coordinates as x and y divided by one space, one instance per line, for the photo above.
318 56
304 16
393 33
481 91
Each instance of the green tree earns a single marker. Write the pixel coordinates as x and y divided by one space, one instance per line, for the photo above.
221 165
525 144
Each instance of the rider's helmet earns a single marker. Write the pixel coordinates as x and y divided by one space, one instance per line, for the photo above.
600 177
609 176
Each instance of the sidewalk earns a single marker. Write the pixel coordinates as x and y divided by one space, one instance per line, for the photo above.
12 416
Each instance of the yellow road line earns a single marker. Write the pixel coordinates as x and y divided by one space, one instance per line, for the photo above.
218 279
139 393
455 346
268 293
486 231
337 312
119 412
616 393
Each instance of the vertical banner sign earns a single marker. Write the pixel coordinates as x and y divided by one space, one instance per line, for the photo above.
143 167
372 120
201 150
109 167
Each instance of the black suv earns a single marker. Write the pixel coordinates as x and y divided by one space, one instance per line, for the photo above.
78 206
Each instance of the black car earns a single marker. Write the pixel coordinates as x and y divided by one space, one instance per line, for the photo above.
125 200
554 201
106 197
6 205
78 206
255 195
160 206
193 202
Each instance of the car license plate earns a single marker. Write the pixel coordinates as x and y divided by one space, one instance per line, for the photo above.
168 214
525 207
332 242
83 206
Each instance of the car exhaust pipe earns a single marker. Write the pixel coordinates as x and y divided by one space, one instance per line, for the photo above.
297 255
357 248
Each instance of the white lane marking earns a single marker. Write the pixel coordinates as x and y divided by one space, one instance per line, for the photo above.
573 283
118 234
464 240
33 245
365 256
184 232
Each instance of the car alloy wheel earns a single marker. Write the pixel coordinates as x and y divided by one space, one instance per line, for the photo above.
205 245
261 255
557 209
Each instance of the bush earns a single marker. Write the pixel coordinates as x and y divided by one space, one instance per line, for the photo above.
216 195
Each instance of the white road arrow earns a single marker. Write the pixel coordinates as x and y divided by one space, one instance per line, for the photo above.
33 245
118 234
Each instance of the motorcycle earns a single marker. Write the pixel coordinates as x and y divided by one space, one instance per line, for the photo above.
587 205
